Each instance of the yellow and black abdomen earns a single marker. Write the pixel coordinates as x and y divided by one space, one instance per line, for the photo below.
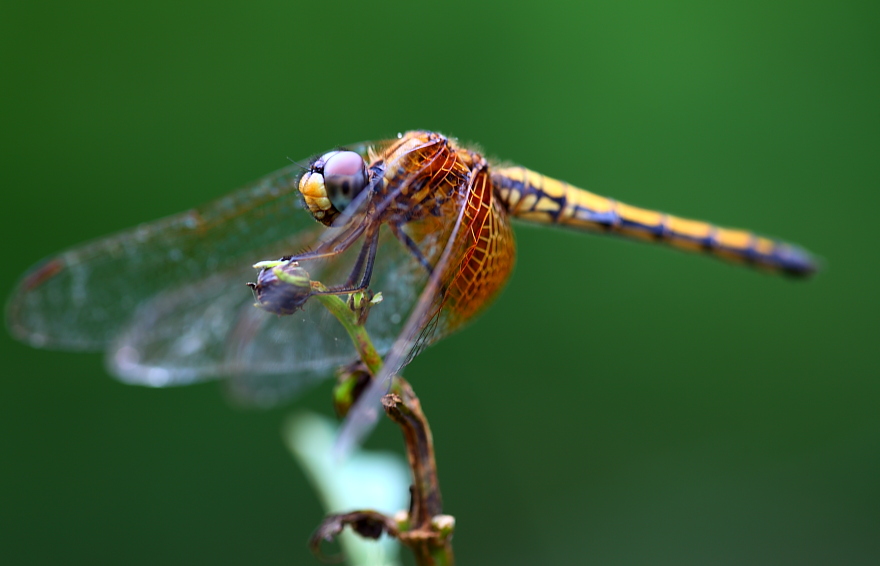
534 197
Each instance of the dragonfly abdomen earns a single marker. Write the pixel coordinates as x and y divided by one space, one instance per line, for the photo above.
534 197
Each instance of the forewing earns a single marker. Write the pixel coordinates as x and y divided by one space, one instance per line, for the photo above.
167 299
82 298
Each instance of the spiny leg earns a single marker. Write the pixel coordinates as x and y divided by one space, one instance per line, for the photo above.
366 259
364 263
411 246
333 247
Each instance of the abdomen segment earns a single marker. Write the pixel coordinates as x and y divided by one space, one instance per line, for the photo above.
534 197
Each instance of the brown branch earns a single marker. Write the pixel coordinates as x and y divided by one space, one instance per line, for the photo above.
368 524
424 530
428 533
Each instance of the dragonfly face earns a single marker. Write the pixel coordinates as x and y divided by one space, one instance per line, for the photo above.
421 219
332 182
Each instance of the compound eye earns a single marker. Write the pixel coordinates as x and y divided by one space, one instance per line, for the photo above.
345 176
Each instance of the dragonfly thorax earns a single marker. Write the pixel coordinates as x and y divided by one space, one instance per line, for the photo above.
421 173
332 182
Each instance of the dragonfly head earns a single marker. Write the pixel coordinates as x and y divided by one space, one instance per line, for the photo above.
332 182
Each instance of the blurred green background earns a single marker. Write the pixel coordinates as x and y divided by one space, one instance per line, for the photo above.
620 404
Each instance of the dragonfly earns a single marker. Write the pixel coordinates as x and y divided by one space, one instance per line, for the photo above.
421 218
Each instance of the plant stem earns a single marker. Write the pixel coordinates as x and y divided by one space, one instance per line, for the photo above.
356 331
426 532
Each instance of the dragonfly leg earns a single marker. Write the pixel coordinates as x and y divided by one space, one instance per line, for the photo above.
359 278
366 259
411 246
331 248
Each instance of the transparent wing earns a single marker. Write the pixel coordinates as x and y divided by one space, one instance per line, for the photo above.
82 298
167 299
210 328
